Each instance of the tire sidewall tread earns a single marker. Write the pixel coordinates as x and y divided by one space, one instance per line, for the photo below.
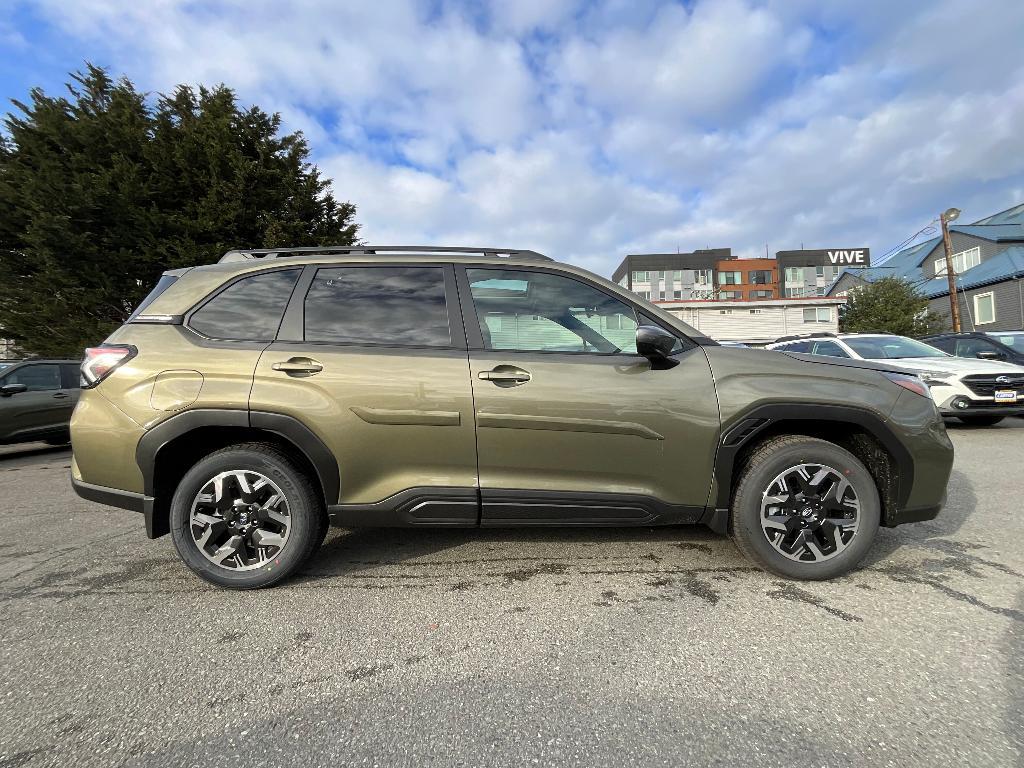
764 464
308 523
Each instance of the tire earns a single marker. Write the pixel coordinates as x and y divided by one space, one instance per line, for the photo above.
298 521
751 529
985 420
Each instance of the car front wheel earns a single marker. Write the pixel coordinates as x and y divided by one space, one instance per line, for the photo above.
246 517
805 508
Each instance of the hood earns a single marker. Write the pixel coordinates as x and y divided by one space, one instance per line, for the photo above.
847 362
959 365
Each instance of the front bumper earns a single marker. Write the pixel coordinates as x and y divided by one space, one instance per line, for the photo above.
955 399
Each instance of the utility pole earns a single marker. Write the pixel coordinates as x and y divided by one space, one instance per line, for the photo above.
954 302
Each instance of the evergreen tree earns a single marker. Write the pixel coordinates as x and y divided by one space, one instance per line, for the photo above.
102 190
889 305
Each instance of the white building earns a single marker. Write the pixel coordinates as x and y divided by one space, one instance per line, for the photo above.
758 322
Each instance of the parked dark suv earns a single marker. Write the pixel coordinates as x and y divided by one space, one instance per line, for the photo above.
1007 346
36 400
251 401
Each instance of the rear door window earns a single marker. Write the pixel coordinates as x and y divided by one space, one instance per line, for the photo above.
389 306
249 309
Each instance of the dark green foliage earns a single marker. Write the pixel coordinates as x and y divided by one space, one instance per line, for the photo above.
889 305
102 191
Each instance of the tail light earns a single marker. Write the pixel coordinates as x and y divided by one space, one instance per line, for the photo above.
914 383
100 362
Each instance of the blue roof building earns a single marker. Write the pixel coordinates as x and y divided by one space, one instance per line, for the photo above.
988 258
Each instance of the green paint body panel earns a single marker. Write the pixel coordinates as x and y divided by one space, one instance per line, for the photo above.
399 421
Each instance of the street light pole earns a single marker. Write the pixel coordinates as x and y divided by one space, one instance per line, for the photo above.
954 302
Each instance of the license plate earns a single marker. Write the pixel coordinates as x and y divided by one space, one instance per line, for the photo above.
1006 395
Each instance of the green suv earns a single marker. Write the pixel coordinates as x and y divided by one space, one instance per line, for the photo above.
247 404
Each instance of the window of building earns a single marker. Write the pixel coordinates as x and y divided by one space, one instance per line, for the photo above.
677 294
639 277
755 311
725 311
553 314
730 294
760 294
730 278
36 378
794 274
678 275
644 295
660 274
962 261
759 277
249 309
984 308
819 271
818 315
702 276
401 306
661 295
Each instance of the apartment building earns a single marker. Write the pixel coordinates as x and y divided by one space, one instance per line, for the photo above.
715 274
672 276
747 279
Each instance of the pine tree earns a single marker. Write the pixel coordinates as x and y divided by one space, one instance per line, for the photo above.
104 189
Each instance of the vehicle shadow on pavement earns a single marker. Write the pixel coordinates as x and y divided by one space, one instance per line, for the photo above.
27 451
349 551
959 506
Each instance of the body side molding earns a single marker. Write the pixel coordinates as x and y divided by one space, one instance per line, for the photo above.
565 424
412 418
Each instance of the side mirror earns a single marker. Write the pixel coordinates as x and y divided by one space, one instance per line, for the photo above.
656 344
12 389
990 355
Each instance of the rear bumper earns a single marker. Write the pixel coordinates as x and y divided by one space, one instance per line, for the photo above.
113 497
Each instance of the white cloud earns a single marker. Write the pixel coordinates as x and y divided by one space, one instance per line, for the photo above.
590 130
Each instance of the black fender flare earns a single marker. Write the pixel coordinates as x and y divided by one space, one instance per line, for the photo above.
749 424
287 427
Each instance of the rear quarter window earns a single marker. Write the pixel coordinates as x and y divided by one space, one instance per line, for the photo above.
250 309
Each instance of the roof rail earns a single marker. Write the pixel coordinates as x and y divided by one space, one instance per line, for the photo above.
348 250
798 336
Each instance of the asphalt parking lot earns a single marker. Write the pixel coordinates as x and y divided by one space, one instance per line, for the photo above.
575 647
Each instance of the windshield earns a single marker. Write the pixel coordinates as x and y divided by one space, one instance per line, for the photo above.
1013 340
890 347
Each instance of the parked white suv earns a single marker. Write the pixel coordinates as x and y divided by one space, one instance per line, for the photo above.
975 391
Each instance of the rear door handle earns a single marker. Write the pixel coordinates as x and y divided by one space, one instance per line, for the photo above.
61 395
299 366
505 376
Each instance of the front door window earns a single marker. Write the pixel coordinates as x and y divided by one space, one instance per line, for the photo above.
541 312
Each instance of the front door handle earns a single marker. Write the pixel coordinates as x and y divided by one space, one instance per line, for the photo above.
60 395
505 376
299 366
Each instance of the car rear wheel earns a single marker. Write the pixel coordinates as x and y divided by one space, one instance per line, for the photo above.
985 420
246 517
805 508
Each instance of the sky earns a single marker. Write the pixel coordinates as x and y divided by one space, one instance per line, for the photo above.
589 130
